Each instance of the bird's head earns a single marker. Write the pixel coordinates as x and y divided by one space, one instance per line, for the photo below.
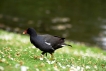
30 31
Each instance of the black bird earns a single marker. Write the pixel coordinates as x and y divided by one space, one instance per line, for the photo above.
46 43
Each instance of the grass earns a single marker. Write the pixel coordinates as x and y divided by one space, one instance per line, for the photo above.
18 54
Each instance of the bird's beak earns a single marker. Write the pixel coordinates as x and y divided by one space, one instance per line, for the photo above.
25 32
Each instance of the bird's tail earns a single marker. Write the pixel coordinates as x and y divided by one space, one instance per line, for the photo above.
66 45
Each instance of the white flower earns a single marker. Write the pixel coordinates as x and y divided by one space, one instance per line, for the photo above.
37 69
1 68
17 65
24 68
41 58
50 62
63 67
68 65
87 67
76 68
59 64
12 58
95 67
55 68
3 60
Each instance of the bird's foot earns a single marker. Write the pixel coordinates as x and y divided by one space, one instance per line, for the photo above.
39 57
36 57
52 59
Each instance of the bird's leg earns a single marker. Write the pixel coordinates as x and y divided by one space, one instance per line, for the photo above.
52 56
46 54
40 57
42 54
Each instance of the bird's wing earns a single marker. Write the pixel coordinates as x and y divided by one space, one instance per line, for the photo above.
52 40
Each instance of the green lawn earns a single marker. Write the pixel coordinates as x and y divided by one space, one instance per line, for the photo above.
17 54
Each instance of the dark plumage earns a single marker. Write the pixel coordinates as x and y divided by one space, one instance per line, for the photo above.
46 43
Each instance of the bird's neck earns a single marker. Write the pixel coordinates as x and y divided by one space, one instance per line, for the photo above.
33 34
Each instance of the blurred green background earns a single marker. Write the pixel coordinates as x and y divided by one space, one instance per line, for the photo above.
76 20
